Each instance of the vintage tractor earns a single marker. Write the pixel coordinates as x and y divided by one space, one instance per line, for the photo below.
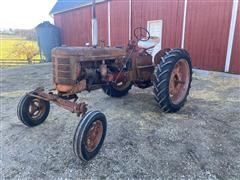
115 70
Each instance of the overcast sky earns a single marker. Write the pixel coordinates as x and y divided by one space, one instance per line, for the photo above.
24 13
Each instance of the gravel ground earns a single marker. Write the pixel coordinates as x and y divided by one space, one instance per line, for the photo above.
202 141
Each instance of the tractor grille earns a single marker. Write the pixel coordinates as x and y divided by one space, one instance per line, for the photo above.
62 73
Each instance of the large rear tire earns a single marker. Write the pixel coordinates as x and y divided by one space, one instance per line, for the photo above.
173 76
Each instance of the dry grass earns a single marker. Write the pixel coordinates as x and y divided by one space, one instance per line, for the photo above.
8 44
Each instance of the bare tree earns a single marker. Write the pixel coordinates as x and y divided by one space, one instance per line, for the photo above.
25 50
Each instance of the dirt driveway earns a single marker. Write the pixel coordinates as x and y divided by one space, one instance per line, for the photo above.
201 141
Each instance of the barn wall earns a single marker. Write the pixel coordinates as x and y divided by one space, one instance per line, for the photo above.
171 12
207 31
75 25
102 17
235 60
119 22
206 35
58 23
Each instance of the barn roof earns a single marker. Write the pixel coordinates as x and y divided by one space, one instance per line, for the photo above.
66 5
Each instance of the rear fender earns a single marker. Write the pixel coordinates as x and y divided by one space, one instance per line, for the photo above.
157 57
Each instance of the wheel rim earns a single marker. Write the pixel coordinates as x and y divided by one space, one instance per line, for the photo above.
122 82
36 109
94 136
179 81
121 85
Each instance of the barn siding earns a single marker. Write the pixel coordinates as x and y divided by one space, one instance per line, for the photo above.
207 31
171 12
235 60
58 23
119 22
206 35
75 25
102 15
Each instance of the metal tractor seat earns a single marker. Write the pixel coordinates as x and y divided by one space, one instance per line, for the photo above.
151 43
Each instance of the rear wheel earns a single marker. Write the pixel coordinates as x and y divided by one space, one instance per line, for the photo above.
89 135
117 90
173 76
32 111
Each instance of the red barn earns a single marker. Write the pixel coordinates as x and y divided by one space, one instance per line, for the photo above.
209 30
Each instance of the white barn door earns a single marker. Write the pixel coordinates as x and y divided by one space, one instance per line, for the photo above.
155 29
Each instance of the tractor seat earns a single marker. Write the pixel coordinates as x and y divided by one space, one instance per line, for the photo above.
152 42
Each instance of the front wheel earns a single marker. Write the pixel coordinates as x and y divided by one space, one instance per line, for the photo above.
32 111
173 76
89 135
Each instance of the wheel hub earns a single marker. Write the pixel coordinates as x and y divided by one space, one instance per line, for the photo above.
94 135
36 108
179 81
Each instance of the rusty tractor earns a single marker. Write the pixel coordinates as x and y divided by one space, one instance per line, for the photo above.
115 71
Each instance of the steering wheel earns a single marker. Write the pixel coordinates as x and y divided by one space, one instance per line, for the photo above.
141 34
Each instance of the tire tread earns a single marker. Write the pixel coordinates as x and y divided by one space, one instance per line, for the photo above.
162 77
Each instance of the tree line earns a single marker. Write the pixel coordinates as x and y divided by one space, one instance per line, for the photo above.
28 34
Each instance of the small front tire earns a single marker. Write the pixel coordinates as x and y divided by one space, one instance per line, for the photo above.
32 111
89 135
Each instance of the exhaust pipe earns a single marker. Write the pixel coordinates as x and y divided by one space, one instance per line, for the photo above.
94 25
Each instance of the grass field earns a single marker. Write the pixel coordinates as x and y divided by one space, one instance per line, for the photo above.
8 44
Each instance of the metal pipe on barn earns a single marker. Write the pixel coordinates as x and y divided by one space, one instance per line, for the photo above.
109 23
94 25
184 23
130 20
231 34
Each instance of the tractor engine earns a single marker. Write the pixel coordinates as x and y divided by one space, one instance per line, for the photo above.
82 68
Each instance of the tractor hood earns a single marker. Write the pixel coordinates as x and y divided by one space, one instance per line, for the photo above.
89 53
